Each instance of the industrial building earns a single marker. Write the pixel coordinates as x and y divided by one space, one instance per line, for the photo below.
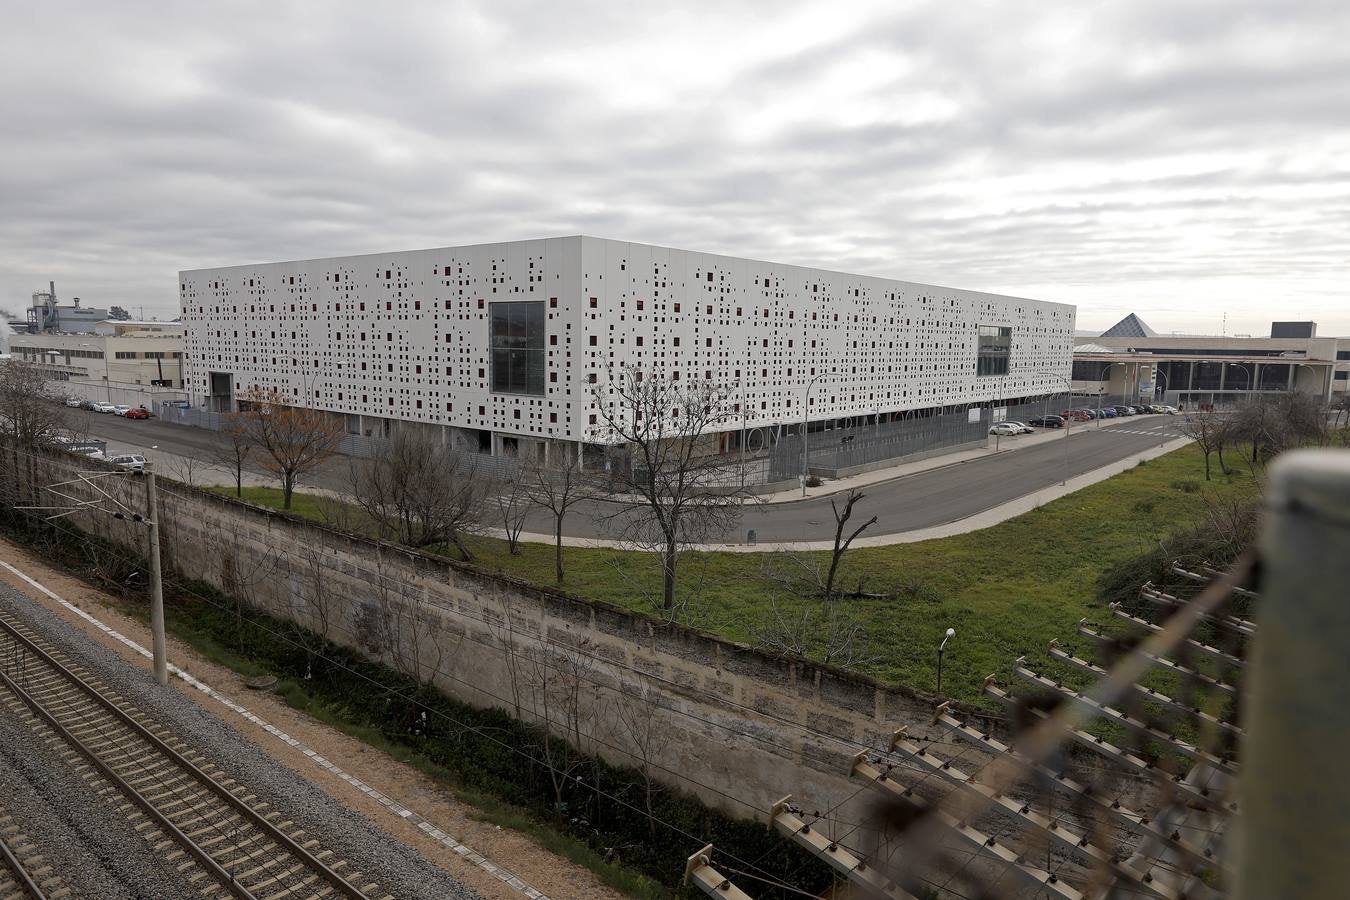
1132 361
137 363
509 346
45 313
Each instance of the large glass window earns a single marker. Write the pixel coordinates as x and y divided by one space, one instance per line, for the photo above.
517 343
994 349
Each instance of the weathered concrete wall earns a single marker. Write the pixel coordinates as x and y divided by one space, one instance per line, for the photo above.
704 714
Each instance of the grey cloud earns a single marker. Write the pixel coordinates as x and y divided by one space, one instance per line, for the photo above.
182 137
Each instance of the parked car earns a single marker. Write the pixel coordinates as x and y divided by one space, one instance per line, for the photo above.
1047 422
86 404
133 461
103 407
1023 427
1109 412
1076 415
140 413
1005 428
73 402
92 453
1125 411
1140 409
1167 410
120 410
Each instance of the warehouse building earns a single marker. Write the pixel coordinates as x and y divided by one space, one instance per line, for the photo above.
508 347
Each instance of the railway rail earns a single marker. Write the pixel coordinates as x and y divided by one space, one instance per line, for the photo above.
24 875
222 839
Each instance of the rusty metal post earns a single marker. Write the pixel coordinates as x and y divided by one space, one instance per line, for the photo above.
1294 790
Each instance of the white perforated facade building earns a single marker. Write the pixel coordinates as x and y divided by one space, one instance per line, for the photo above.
410 336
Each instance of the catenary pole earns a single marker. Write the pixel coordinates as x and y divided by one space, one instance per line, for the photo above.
156 580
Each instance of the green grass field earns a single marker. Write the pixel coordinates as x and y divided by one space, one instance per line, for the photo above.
1007 590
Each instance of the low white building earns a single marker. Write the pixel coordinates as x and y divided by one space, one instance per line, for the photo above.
136 363
1132 361
505 344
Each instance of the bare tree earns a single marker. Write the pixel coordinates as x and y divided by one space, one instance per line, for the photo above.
841 518
234 453
511 502
419 492
558 489
187 469
317 604
556 680
641 730
30 410
1208 430
679 482
292 441
30 413
1343 418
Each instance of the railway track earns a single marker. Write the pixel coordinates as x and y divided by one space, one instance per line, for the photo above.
219 837
23 873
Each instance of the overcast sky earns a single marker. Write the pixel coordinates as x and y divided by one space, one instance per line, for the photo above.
1177 159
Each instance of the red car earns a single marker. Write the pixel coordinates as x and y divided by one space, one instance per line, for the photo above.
138 414
1078 415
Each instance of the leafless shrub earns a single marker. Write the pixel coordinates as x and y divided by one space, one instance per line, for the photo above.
826 632
420 492
1264 427
403 623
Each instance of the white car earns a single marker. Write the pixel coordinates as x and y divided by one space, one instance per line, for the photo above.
1169 410
73 402
120 410
1025 428
101 407
92 453
1005 428
133 461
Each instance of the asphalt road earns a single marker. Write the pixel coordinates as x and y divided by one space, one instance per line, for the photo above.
921 500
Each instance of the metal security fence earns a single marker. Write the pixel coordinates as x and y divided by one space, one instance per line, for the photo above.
360 446
836 450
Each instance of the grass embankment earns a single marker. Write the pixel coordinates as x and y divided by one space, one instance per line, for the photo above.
1008 590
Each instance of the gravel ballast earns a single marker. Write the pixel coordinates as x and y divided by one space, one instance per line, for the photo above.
81 836
398 869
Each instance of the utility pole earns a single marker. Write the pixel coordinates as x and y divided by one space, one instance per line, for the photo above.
75 503
156 580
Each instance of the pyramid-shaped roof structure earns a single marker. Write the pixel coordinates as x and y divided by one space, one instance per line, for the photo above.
1130 326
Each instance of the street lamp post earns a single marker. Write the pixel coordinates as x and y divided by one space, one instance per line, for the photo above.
806 422
1251 378
1107 368
951 633
1068 387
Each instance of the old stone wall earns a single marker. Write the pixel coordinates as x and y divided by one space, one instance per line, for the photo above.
734 726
